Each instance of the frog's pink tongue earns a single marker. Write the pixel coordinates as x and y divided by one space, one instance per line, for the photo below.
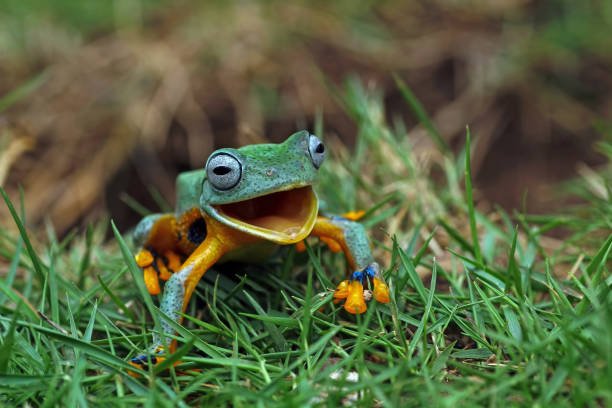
283 217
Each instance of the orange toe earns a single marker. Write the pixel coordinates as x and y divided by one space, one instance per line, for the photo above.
151 280
354 215
342 290
354 302
300 246
381 291
174 261
333 245
144 258
164 273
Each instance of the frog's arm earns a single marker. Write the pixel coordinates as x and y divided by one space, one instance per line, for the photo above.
179 288
341 233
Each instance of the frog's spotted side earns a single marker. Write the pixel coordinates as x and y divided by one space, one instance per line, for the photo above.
243 201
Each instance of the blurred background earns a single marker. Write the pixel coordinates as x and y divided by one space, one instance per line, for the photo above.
103 102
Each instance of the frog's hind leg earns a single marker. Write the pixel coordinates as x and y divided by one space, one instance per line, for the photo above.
350 236
158 235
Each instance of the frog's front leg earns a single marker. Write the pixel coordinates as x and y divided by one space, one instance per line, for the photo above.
350 236
177 293
180 286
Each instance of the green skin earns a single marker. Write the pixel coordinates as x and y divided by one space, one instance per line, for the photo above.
266 168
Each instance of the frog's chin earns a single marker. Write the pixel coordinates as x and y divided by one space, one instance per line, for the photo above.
284 217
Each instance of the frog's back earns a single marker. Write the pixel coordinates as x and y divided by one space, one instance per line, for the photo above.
188 190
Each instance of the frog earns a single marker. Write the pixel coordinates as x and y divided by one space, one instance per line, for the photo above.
242 205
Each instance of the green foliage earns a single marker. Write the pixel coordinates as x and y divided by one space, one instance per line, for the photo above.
493 322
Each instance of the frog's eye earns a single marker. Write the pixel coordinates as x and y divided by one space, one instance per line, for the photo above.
316 148
223 171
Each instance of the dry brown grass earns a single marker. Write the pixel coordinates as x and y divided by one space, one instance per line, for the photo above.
127 107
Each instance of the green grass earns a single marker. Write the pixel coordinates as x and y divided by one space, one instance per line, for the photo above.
483 310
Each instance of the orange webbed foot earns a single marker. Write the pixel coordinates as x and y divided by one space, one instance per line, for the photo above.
156 357
353 290
156 267
142 362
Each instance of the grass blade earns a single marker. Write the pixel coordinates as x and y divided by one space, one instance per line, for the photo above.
137 276
470 200
35 261
22 91
421 115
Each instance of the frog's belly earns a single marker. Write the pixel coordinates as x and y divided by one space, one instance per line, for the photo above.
257 252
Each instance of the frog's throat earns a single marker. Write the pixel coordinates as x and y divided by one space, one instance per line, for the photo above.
283 217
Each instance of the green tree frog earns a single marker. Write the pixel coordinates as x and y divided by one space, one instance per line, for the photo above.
243 201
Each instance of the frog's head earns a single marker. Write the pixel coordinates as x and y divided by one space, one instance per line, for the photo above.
265 190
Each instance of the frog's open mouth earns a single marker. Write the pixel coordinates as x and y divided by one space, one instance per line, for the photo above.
284 217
